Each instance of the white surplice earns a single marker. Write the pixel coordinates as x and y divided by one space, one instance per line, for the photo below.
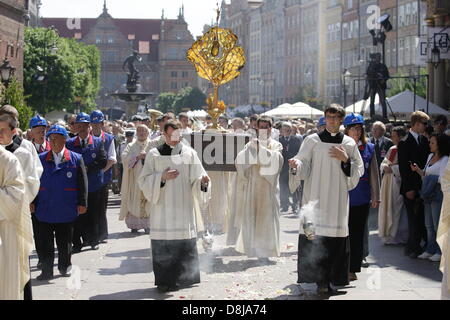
16 234
391 205
133 200
326 183
235 204
257 213
28 145
175 208
443 233
217 211
32 174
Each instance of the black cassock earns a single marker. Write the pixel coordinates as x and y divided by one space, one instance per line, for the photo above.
325 260
175 262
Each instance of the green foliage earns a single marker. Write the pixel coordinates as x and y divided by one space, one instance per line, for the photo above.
397 86
165 101
14 96
189 98
73 71
186 98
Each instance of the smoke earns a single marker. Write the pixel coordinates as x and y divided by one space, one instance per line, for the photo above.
313 251
309 212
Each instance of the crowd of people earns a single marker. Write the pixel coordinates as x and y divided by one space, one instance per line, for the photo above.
55 180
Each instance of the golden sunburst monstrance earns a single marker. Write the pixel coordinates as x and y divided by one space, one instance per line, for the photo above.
218 59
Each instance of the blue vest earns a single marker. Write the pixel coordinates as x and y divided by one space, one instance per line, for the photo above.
89 153
361 194
107 140
57 199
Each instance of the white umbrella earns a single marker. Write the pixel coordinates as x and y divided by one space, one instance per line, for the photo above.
197 114
297 110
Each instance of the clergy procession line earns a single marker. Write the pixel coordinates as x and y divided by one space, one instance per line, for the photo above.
55 181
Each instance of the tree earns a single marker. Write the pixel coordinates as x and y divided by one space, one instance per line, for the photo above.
165 101
14 96
52 79
189 98
186 98
397 86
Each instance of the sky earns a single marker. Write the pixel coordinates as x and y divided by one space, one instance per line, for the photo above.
197 13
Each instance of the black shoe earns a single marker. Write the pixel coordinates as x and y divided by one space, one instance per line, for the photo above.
414 255
66 272
134 231
162 288
95 247
44 276
103 241
364 263
76 249
147 230
39 265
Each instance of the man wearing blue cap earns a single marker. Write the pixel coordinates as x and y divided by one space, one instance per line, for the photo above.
97 122
94 156
61 198
38 125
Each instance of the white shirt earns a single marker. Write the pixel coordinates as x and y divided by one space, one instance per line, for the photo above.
57 157
415 135
38 146
438 168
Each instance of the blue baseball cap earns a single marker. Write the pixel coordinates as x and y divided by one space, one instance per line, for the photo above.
57 129
83 118
38 121
352 119
97 117
322 122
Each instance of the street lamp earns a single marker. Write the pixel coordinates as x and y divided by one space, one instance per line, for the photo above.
345 74
7 71
435 56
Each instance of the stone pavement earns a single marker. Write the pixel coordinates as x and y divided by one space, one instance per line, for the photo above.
122 270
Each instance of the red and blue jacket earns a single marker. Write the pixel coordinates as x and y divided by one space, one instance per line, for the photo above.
361 195
63 188
94 157
107 140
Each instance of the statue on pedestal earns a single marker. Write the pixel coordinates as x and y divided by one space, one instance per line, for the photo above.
133 73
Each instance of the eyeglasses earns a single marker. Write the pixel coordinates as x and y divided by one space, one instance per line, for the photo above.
333 117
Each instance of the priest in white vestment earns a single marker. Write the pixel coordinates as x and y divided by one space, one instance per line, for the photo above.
392 216
8 127
258 216
176 186
235 192
16 235
443 234
331 165
134 206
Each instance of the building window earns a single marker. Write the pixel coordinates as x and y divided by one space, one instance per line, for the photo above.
78 35
185 74
110 39
174 74
98 39
173 86
131 37
144 47
349 4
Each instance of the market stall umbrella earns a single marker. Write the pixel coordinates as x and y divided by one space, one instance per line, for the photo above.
296 110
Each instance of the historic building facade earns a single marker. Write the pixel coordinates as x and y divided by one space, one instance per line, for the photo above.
162 44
